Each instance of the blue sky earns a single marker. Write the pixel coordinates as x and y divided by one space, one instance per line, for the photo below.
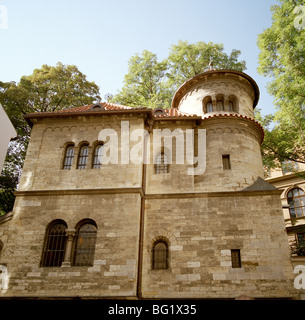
99 37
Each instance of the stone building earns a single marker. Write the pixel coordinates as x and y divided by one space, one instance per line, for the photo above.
290 180
134 203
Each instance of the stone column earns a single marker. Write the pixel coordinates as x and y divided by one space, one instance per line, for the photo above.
70 234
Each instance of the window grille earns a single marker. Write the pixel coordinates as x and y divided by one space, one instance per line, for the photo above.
296 202
161 165
160 256
97 157
83 158
55 245
235 257
85 245
69 155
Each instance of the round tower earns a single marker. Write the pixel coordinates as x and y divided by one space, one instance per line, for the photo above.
225 100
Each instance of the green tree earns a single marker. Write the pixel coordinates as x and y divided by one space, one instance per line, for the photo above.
187 60
144 82
47 89
282 59
151 83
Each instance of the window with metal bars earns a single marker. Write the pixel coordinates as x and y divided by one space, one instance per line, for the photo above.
55 244
97 157
160 256
85 244
69 155
161 165
83 158
235 257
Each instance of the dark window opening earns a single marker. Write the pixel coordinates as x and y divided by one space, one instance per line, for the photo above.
235 257
226 162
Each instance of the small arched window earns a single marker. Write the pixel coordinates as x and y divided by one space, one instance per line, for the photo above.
233 104
160 256
83 157
69 155
54 244
97 156
85 240
161 165
220 103
207 105
296 202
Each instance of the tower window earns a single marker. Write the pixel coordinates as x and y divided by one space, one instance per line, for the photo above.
226 162
235 257
233 104
209 107
220 103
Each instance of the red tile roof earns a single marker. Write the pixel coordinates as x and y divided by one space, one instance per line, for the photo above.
112 107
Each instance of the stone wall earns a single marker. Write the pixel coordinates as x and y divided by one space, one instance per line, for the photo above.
114 272
201 232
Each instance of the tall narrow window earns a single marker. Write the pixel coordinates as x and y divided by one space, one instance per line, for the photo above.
55 244
97 156
85 244
69 155
235 257
226 162
160 256
231 106
82 158
220 103
296 202
209 107
161 165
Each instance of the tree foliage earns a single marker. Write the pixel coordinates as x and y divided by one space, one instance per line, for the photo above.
151 83
282 58
47 89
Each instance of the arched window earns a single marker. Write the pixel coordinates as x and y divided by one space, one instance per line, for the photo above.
233 104
220 103
161 165
160 256
85 240
296 202
54 245
97 156
207 105
83 157
69 155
